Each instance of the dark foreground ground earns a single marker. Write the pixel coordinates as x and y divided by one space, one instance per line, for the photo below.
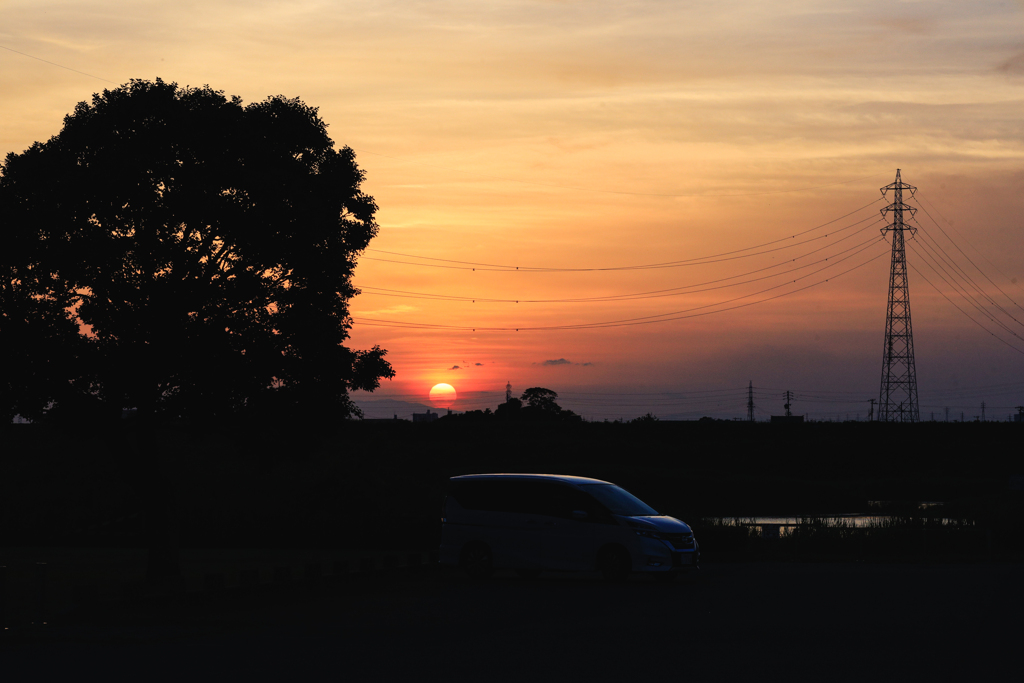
729 621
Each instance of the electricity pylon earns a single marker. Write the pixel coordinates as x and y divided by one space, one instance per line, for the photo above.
897 398
750 401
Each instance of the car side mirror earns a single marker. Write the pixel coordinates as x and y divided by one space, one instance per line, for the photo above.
579 514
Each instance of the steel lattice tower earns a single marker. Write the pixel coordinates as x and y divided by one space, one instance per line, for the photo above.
897 398
750 401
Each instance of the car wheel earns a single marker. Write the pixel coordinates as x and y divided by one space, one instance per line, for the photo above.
614 563
528 573
476 561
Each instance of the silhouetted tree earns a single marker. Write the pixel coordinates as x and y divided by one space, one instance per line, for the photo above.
179 253
541 406
509 410
208 247
39 338
541 399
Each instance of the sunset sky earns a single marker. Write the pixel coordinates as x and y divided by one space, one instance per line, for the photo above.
567 135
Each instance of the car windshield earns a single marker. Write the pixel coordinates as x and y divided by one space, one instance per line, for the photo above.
619 501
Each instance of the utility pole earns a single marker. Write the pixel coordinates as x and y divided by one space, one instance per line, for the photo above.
750 401
897 399
871 410
982 411
789 401
1020 414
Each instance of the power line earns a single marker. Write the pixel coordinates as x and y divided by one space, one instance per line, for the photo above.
964 312
655 294
932 261
40 59
943 255
644 320
967 296
701 260
953 228
968 277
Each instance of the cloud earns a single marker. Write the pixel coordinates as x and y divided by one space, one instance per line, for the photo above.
561 361
1014 65
392 310
921 26
455 367
478 364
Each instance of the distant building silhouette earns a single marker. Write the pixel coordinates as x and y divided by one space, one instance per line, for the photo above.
424 417
384 420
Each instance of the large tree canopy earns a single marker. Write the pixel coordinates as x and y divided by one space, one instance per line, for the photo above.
174 251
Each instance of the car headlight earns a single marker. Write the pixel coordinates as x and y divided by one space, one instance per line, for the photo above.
647 533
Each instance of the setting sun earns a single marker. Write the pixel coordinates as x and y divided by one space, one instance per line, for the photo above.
442 395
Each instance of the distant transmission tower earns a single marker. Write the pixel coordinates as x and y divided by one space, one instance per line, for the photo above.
897 399
508 391
750 401
788 403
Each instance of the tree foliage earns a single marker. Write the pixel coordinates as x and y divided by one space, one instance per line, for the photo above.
541 399
174 251
537 404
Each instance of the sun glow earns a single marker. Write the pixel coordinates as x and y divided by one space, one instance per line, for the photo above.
442 395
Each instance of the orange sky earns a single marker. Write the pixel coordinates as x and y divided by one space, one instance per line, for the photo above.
597 134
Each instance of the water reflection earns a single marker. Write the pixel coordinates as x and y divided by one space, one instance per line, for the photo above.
774 526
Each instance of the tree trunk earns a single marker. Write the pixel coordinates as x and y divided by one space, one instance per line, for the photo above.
140 455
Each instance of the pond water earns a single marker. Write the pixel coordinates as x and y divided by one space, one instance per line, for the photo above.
854 519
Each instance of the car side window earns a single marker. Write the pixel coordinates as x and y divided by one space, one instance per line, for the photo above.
529 496
596 512
558 500
491 495
535 497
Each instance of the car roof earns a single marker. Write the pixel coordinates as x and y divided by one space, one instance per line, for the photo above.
565 478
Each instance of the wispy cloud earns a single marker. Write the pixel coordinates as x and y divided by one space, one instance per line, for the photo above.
455 367
1014 65
561 361
392 310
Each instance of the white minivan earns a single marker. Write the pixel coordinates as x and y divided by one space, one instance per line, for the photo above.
548 522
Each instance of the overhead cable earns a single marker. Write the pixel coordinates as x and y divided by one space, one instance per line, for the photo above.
952 227
655 294
644 320
700 260
963 311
